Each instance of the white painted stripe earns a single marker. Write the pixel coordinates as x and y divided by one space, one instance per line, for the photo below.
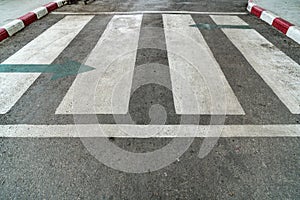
250 6
42 50
198 83
294 33
60 3
150 12
268 17
99 91
278 70
142 131
14 26
40 12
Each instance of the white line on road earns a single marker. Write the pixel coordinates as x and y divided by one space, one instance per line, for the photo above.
42 50
141 131
198 83
278 70
99 91
150 12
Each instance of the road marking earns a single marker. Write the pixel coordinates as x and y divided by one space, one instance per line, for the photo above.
62 70
114 58
213 26
278 70
42 50
195 73
142 131
150 12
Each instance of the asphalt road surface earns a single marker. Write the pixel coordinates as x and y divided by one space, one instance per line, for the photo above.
183 100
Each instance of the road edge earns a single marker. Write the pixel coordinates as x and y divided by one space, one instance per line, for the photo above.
20 23
287 28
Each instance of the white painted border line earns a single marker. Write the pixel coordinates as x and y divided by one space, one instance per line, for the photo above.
150 12
23 21
142 131
282 25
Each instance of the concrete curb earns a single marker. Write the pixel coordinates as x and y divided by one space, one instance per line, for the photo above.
282 25
23 21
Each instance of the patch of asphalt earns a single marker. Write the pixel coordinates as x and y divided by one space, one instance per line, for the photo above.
237 168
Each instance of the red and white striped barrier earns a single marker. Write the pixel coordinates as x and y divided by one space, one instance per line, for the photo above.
23 21
282 25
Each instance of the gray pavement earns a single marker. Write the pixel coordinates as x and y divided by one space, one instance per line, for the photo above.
249 167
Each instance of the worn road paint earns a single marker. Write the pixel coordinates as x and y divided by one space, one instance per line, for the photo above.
141 131
69 68
213 26
42 50
278 70
195 73
150 12
114 59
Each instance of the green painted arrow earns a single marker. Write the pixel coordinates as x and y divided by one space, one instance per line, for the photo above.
69 68
214 26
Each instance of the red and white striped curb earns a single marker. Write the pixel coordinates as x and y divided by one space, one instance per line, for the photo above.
282 25
18 24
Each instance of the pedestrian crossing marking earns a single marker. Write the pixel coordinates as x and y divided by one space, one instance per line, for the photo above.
278 70
114 58
195 73
42 50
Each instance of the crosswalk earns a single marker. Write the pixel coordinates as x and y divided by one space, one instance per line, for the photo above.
199 86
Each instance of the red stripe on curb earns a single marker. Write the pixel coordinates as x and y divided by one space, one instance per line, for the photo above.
281 25
257 11
28 18
51 6
3 34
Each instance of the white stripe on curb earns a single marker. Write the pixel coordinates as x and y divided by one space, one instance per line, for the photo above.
14 26
40 12
59 3
250 5
294 33
268 17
